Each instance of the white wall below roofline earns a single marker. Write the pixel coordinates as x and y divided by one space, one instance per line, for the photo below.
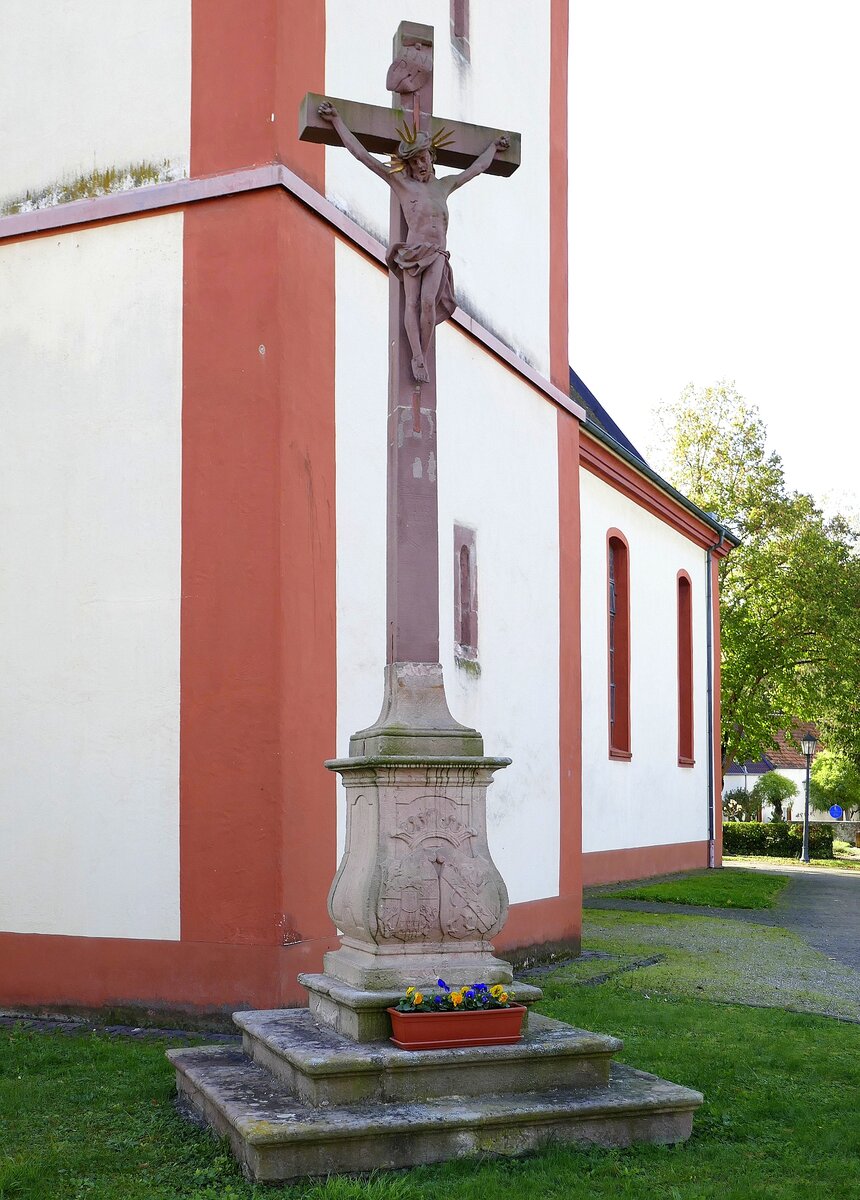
650 800
90 560
89 86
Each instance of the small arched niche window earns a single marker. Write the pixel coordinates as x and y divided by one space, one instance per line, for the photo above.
685 670
465 593
618 643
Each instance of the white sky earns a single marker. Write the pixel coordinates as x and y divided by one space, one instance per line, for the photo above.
715 217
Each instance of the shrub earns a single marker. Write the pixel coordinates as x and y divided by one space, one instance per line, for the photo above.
776 840
739 805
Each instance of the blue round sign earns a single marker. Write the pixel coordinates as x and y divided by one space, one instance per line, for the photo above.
836 812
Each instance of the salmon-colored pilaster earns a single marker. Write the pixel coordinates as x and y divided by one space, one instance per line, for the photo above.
252 61
308 558
231 770
233 66
717 748
570 669
257 808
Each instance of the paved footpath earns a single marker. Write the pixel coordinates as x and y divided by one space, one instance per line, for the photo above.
820 905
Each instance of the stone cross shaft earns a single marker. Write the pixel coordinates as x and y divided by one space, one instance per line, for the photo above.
417 893
413 535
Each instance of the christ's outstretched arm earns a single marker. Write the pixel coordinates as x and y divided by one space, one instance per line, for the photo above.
452 182
328 112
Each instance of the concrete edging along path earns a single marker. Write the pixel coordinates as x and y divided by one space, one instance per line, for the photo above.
820 905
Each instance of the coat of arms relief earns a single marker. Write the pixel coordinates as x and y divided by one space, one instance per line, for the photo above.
435 886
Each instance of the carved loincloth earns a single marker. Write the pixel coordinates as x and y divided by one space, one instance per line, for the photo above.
414 259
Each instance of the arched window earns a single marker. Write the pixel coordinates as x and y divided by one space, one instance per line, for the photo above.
685 670
465 593
618 643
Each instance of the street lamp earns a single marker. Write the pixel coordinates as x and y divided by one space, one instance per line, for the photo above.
807 745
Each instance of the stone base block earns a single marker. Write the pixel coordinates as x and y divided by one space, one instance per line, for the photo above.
360 1014
320 1067
279 1137
392 968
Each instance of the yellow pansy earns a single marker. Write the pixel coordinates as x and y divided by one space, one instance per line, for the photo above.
504 997
417 998
456 998
496 990
409 991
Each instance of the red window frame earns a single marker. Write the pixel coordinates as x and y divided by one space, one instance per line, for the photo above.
686 750
465 593
618 644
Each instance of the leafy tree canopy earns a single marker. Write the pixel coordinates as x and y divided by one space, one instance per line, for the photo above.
790 593
773 789
834 779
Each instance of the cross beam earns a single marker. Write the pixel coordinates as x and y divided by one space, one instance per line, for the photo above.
374 127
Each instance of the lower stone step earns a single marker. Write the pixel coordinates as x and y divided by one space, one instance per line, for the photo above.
278 1137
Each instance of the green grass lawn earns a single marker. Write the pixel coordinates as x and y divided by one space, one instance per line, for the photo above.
847 862
91 1117
712 889
708 958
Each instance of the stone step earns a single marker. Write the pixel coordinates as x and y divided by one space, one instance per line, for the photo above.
321 1066
278 1137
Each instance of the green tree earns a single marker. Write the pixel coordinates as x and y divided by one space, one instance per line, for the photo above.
773 789
834 779
789 594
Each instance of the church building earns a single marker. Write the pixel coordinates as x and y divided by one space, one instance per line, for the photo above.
194 356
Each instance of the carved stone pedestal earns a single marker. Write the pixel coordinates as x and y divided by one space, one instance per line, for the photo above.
417 895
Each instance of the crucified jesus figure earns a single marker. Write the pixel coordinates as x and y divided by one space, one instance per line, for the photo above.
421 262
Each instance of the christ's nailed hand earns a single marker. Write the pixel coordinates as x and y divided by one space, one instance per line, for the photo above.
502 143
327 111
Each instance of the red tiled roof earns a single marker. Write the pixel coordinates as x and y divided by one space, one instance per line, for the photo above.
789 755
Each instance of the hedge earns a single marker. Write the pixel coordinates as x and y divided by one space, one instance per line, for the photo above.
776 839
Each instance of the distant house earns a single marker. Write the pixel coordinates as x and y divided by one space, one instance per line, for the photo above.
789 761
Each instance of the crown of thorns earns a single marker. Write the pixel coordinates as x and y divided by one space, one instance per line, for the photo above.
414 140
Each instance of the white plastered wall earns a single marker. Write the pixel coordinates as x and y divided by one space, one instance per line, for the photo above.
650 800
94 84
90 547
498 473
501 275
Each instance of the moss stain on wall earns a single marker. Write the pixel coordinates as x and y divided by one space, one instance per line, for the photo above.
97 183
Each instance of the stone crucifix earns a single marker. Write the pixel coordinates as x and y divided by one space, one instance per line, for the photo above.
422 261
420 296
416 893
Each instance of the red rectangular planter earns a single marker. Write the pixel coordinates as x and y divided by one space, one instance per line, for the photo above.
446 1030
